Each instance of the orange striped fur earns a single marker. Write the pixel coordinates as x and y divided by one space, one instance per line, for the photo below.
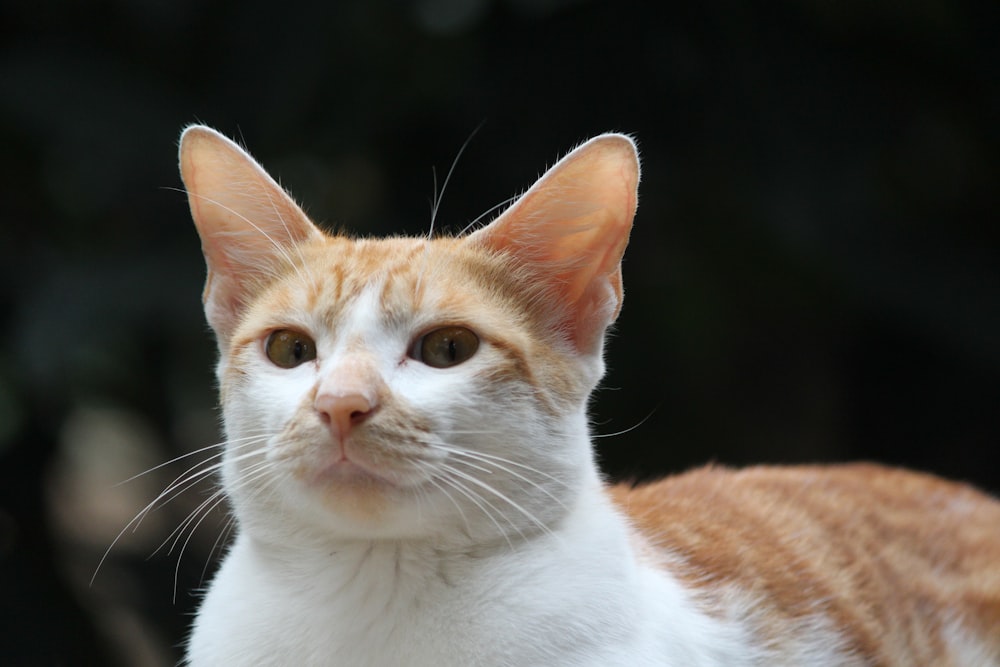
892 556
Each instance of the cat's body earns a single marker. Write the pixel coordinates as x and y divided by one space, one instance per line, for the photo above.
410 466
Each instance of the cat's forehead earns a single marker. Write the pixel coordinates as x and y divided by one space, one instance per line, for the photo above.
398 278
397 268
367 259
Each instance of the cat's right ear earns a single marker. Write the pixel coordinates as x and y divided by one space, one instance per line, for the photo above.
246 221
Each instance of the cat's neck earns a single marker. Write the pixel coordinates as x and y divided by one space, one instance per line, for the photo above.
579 590
375 594
307 552
378 577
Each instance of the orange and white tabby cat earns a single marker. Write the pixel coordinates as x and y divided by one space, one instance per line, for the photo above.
411 472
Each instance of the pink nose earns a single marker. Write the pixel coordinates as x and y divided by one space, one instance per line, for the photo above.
341 412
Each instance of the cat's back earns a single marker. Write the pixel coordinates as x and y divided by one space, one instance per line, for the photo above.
904 566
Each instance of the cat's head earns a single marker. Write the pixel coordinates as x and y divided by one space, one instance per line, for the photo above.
409 387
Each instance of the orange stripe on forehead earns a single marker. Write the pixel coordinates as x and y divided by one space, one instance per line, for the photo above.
391 266
336 276
397 296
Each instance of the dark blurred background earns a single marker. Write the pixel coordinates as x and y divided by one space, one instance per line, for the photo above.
814 273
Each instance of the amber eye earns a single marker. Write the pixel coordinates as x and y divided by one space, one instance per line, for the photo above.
445 347
287 348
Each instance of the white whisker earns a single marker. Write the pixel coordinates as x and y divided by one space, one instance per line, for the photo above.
490 458
217 546
516 474
479 501
485 213
433 480
438 196
204 515
436 202
478 482
183 482
630 428
187 479
195 518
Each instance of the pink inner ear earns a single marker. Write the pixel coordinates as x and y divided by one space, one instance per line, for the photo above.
571 229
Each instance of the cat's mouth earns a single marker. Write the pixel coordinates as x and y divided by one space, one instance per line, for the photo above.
359 463
353 470
346 471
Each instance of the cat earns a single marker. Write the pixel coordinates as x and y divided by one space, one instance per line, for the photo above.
411 474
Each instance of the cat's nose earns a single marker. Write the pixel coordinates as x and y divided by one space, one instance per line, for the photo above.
342 412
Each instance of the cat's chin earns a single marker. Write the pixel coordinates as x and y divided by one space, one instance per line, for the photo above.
350 474
349 489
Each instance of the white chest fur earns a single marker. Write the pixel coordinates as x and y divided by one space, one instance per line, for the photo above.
571 598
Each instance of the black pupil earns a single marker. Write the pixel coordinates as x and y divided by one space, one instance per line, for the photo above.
452 349
298 350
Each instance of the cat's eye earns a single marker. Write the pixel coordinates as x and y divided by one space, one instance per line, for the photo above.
288 348
445 347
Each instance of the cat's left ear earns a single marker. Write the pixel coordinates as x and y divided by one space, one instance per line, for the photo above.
570 230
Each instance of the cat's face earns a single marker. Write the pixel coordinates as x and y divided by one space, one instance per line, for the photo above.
425 375
408 387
